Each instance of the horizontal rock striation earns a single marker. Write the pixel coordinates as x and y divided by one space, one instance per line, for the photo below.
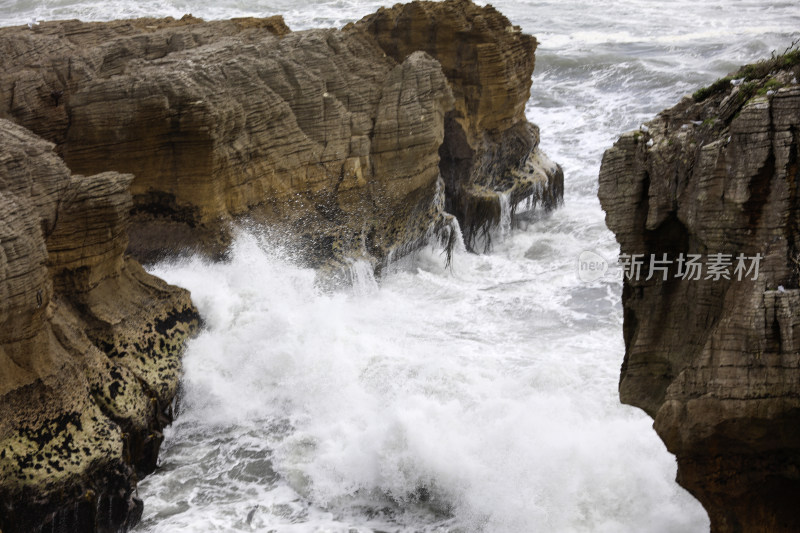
353 143
490 148
716 362
314 132
89 346
329 135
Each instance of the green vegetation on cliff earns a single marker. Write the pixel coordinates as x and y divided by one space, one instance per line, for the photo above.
753 73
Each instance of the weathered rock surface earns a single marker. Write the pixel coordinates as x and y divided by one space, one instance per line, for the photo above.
189 128
490 148
89 346
327 134
716 363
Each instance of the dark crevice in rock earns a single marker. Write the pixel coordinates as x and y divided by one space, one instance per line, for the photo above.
455 162
163 205
759 188
793 222
671 237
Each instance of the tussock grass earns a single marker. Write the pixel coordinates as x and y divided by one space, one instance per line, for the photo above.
790 58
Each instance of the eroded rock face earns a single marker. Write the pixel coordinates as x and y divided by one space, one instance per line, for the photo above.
89 346
324 133
490 148
716 363
188 128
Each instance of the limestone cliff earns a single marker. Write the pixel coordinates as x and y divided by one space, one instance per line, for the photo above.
89 346
716 361
327 134
490 148
336 138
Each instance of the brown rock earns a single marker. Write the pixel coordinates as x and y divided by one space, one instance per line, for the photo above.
187 129
490 148
316 132
717 362
320 133
89 345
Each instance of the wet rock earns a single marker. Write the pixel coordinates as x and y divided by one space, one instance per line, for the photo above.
716 362
330 136
490 149
89 346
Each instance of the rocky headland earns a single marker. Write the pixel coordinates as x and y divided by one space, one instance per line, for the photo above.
337 137
134 140
716 361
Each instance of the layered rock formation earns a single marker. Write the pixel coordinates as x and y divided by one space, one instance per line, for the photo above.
716 361
89 346
490 149
336 138
333 136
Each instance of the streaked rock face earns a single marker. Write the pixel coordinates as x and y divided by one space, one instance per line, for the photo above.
315 131
89 345
355 142
490 147
333 136
716 363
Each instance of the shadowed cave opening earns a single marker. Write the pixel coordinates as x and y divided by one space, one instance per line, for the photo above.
477 214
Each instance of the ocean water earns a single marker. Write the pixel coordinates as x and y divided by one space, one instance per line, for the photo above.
479 398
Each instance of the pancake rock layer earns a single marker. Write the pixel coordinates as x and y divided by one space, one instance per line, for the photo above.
716 361
334 136
89 346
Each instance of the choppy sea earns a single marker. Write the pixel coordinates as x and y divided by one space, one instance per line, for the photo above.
479 398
